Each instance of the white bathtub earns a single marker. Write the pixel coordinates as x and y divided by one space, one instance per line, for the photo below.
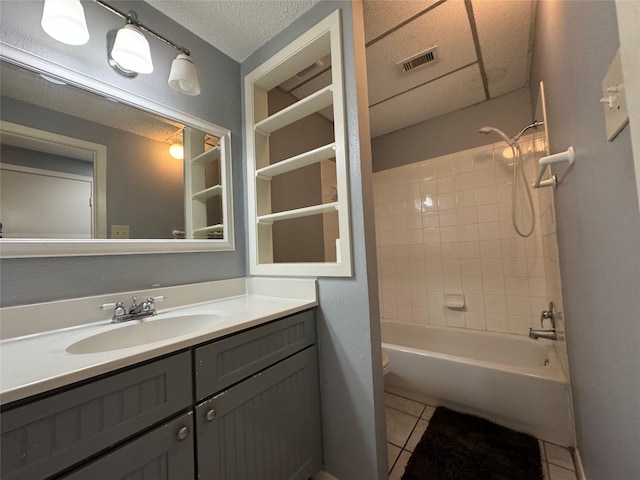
516 382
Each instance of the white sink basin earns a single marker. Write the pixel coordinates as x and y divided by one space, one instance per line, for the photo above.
143 332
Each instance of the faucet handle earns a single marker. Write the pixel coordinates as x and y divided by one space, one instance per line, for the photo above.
550 314
118 309
107 306
152 300
149 304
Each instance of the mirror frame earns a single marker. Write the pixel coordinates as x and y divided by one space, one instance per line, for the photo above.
20 248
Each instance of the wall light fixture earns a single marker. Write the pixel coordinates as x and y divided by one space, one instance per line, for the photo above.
131 49
128 49
64 20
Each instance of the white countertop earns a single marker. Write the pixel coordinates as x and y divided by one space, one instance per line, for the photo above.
38 362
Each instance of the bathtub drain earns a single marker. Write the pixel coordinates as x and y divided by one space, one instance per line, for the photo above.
546 362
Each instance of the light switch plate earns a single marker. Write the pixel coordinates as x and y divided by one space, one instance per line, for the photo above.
119 231
613 99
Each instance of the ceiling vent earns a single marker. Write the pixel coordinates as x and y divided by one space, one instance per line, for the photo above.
422 59
305 71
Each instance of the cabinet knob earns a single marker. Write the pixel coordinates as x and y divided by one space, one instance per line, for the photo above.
211 414
183 433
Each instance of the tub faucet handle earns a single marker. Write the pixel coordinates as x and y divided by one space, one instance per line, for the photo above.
548 314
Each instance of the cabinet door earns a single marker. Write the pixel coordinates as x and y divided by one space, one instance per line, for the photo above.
230 360
165 453
267 427
52 434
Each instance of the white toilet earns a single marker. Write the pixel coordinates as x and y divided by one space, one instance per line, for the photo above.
385 363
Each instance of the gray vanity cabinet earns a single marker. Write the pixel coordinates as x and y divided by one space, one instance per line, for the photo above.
47 436
164 453
229 360
266 427
263 418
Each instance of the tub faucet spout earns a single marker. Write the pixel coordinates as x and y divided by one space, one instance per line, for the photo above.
549 334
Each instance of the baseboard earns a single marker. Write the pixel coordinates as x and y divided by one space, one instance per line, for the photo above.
579 467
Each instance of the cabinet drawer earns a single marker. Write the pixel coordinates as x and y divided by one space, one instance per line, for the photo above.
225 362
48 435
163 453
266 427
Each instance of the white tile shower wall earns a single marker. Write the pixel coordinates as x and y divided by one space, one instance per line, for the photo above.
552 272
444 226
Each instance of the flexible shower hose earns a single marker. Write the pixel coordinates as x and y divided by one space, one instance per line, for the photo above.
517 166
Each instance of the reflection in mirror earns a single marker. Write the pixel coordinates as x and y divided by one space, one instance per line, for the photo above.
79 165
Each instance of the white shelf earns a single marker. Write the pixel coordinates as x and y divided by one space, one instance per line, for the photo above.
207 157
208 229
299 161
298 213
308 105
208 193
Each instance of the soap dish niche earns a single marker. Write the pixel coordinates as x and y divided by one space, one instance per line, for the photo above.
454 300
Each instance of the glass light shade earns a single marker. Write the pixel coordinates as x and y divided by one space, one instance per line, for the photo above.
176 151
64 20
184 76
131 50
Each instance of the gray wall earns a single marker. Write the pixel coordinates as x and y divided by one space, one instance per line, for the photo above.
43 279
145 188
598 234
452 132
349 331
44 161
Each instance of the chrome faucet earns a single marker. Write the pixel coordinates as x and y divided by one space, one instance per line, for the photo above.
136 311
546 315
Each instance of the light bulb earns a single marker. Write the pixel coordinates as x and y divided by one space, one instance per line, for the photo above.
176 151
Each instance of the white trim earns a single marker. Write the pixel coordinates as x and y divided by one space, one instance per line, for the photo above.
54 248
628 13
49 142
45 172
323 38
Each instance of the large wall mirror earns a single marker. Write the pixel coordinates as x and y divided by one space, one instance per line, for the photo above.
86 172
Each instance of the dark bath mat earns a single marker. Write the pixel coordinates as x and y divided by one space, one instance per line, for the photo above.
457 446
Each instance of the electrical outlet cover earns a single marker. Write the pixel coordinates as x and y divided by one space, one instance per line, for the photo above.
614 100
120 231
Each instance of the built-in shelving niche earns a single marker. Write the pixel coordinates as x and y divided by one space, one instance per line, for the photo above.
203 175
297 166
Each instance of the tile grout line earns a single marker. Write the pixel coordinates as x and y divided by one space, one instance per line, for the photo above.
414 427
402 449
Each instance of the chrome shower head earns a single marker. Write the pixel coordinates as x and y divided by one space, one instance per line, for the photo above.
488 130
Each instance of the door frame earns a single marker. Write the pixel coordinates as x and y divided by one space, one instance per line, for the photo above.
53 143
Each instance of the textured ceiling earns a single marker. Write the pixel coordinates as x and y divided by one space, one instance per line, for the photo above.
236 27
483 47
484 51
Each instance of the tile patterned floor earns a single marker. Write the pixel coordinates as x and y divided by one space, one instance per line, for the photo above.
407 421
